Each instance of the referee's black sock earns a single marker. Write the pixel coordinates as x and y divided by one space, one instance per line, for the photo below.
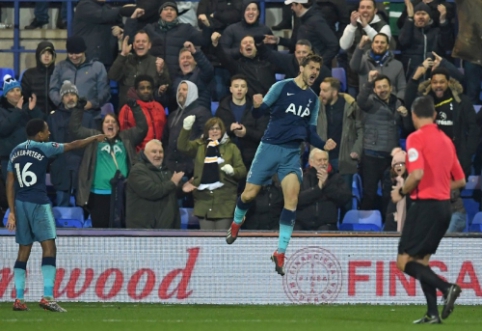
431 296
426 275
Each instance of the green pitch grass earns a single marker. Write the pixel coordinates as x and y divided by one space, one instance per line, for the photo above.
144 317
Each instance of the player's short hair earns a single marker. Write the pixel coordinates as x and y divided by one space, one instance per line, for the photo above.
334 83
311 58
210 123
304 42
423 107
440 71
384 35
142 32
143 78
238 76
34 126
382 77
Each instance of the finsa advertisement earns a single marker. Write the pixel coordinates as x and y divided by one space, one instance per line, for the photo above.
205 270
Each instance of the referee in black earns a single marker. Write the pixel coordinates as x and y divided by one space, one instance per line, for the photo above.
433 170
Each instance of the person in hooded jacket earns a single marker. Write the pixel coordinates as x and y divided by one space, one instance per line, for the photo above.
248 26
218 168
187 95
64 170
153 111
102 160
36 80
14 116
152 191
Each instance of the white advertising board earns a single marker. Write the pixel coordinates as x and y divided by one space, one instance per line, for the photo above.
205 270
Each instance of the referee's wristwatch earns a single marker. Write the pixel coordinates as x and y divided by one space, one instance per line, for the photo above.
400 191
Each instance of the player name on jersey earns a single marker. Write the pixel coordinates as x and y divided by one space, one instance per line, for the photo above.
27 152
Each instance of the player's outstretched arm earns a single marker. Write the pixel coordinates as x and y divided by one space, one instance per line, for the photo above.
11 224
83 142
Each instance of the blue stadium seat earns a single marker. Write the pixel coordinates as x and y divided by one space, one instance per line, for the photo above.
280 77
340 74
5 217
214 107
362 220
472 207
21 75
473 183
188 220
403 144
477 108
114 87
69 217
356 190
108 108
476 225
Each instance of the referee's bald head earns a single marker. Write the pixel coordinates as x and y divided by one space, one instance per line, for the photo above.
423 107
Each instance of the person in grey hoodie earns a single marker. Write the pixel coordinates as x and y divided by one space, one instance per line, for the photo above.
89 76
187 95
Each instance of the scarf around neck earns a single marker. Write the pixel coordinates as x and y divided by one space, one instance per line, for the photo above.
166 26
378 58
210 175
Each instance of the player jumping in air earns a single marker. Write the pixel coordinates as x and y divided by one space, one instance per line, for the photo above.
293 109
30 212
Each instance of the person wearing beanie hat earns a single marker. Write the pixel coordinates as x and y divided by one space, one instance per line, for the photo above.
419 37
173 5
14 115
36 80
9 83
89 75
68 87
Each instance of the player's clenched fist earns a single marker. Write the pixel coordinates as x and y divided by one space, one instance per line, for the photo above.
257 100
329 145
188 122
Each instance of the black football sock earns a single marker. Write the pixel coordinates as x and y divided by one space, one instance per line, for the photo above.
426 275
430 293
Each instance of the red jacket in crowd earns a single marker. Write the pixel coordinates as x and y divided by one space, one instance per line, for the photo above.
155 117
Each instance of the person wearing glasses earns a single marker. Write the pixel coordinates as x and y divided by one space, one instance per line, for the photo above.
218 168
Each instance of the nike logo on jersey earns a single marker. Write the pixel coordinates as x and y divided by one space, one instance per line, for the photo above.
289 94
298 112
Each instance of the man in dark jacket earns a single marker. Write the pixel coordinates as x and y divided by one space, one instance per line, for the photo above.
36 80
289 64
128 65
434 12
455 112
152 191
248 26
88 75
14 115
418 37
168 35
187 94
383 117
94 21
312 27
322 193
64 170
259 73
220 13
235 111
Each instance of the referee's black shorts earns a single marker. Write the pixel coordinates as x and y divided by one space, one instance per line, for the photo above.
426 223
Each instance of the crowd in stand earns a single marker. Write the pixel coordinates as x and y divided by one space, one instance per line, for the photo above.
172 150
